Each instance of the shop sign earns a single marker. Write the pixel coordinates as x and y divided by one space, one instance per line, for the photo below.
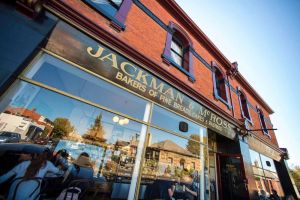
73 45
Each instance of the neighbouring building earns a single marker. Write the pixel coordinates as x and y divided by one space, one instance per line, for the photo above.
137 86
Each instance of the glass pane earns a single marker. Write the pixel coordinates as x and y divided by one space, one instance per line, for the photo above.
255 159
269 174
261 186
170 121
108 7
90 147
267 163
176 58
117 2
63 76
176 48
172 168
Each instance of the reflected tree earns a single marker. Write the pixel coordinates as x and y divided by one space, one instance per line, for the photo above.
62 126
96 131
193 146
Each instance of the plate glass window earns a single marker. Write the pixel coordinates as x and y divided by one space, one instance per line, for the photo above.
57 116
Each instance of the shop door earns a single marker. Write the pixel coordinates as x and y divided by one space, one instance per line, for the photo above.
232 183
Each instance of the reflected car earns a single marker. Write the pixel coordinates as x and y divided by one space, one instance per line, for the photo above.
9 137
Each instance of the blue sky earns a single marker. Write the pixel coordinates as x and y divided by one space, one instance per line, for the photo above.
264 38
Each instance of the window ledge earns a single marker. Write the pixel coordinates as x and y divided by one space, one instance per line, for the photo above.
248 120
169 60
267 134
223 101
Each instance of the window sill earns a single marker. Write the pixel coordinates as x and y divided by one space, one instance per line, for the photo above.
223 101
267 134
169 60
248 120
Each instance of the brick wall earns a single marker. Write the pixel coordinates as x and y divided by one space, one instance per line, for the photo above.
147 37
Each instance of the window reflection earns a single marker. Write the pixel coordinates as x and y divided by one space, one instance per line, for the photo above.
170 121
266 177
268 163
173 167
84 140
56 73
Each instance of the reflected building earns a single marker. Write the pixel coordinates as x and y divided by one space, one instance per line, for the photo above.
26 122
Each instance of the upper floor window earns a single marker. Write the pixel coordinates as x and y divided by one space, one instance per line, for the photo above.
115 10
244 105
177 51
220 86
262 122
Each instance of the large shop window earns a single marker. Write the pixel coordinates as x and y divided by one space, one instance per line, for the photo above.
265 174
186 177
220 85
86 132
115 10
177 51
174 160
56 119
244 106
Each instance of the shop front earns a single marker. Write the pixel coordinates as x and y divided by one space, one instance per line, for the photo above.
143 138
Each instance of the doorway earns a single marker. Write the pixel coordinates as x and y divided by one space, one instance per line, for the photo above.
232 183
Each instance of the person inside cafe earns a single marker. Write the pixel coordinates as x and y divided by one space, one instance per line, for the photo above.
28 175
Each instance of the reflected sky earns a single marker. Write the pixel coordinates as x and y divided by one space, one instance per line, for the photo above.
82 116
170 121
63 76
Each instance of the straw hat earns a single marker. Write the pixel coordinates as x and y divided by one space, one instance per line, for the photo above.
83 161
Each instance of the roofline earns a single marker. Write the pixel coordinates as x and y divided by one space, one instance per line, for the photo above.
181 15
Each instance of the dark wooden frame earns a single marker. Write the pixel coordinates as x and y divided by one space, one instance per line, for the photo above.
241 92
216 94
219 171
262 121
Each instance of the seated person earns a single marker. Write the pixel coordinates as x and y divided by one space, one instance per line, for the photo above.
80 169
186 191
161 189
25 174
60 159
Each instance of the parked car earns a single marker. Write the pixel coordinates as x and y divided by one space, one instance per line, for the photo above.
9 137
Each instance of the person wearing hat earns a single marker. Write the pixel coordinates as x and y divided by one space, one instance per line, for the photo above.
81 168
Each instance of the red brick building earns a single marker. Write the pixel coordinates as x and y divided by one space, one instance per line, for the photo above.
152 51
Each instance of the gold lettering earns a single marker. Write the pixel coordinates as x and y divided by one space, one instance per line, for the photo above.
97 54
153 84
169 92
111 57
179 97
119 76
123 67
213 117
203 111
219 121
142 75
